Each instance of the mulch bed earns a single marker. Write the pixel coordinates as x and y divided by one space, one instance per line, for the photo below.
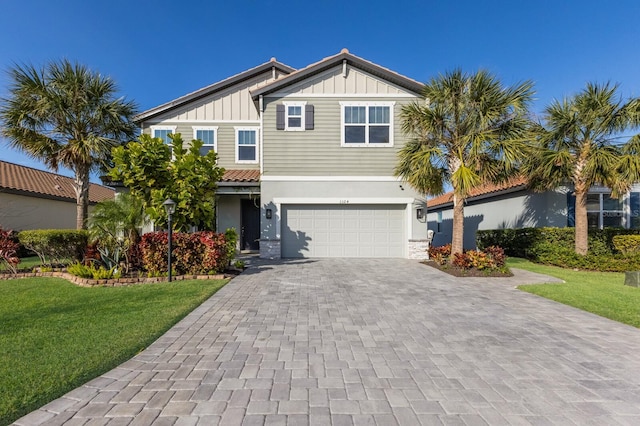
459 272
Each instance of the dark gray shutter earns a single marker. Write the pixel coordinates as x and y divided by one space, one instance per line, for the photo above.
308 117
571 210
279 117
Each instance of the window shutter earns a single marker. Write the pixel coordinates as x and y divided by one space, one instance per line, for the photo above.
571 210
308 117
279 117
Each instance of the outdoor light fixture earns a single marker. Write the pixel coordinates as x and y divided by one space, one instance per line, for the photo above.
269 214
170 208
419 213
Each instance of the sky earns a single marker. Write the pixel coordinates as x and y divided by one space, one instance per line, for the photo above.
159 50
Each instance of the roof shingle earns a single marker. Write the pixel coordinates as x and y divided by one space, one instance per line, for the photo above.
241 176
43 184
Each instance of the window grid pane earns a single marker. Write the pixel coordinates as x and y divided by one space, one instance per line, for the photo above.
246 137
379 115
164 135
206 136
355 114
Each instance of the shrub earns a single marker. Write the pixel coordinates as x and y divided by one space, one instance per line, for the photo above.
462 260
440 254
627 244
231 237
90 271
497 256
55 245
197 253
9 250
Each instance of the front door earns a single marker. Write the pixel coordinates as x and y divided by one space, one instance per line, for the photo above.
250 225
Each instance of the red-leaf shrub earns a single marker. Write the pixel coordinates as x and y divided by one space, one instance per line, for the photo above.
197 253
461 260
440 254
9 250
497 255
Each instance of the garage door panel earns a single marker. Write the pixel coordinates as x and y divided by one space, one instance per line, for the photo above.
343 230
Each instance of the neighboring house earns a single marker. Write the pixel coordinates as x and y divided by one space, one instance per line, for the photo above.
309 157
35 199
513 205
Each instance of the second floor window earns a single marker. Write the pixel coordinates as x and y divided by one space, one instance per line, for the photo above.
163 133
208 137
367 124
246 145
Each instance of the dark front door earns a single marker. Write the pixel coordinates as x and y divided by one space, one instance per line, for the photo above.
250 230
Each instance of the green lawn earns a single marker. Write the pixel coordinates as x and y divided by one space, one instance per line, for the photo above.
55 336
602 293
25 263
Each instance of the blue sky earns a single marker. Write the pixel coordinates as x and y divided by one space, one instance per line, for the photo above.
159 50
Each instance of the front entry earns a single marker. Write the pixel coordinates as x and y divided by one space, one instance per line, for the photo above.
250 225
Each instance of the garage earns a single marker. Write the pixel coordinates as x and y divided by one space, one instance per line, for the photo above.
343 230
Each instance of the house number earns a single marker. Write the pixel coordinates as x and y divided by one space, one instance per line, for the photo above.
344 201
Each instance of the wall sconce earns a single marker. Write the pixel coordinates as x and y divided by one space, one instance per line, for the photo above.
419 213
269 214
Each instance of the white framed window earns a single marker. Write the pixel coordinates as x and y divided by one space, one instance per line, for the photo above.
208 135
247 145
294 113
163 133
367 123
605 211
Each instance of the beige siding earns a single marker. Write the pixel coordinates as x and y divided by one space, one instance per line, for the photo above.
332 81
226 143
319 152
231 104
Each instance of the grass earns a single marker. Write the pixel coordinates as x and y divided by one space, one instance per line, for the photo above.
25 263
601 293
55 336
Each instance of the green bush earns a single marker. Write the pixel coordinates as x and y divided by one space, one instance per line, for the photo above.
627 244
90 271
555 246
55 245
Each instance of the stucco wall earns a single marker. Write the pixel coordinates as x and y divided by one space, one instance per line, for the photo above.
19 212
515 210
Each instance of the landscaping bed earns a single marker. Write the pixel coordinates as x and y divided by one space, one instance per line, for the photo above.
471 272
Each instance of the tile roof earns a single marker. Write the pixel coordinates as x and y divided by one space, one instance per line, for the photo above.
241 176
513 183
38 183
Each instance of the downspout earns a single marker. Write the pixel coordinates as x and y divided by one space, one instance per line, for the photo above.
261 112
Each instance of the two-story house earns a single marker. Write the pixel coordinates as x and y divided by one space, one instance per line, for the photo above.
309 157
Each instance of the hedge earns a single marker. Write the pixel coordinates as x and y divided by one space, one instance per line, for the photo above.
556 246
55 245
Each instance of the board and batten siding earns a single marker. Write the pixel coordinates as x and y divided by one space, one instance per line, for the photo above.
225 144
319 152
231 104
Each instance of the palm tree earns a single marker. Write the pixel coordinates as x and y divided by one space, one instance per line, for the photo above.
466 131
66 115
580 143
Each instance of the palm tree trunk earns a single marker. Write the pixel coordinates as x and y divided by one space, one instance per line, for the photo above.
457 237
582 225
82 196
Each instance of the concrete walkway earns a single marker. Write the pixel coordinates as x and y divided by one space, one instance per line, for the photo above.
375 342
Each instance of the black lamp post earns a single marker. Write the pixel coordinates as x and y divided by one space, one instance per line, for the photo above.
170 208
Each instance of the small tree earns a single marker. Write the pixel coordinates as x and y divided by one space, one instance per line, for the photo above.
154 172
114 225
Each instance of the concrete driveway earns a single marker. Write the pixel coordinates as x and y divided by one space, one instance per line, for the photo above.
350 341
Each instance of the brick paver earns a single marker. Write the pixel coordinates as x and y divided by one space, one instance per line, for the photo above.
364 341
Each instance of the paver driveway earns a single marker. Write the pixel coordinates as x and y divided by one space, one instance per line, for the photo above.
382 342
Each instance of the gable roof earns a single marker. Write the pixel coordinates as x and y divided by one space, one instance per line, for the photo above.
326 63
24 180
484 191
215 87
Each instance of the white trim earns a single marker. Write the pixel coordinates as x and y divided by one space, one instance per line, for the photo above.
302 105
198 121
340 95
261 112
237 129
207 128
367 124
330 179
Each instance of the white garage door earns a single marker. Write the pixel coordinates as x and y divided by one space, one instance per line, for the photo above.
343 230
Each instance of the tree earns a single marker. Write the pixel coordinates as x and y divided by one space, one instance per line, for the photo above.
580 143
466 131
153 172
66 115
